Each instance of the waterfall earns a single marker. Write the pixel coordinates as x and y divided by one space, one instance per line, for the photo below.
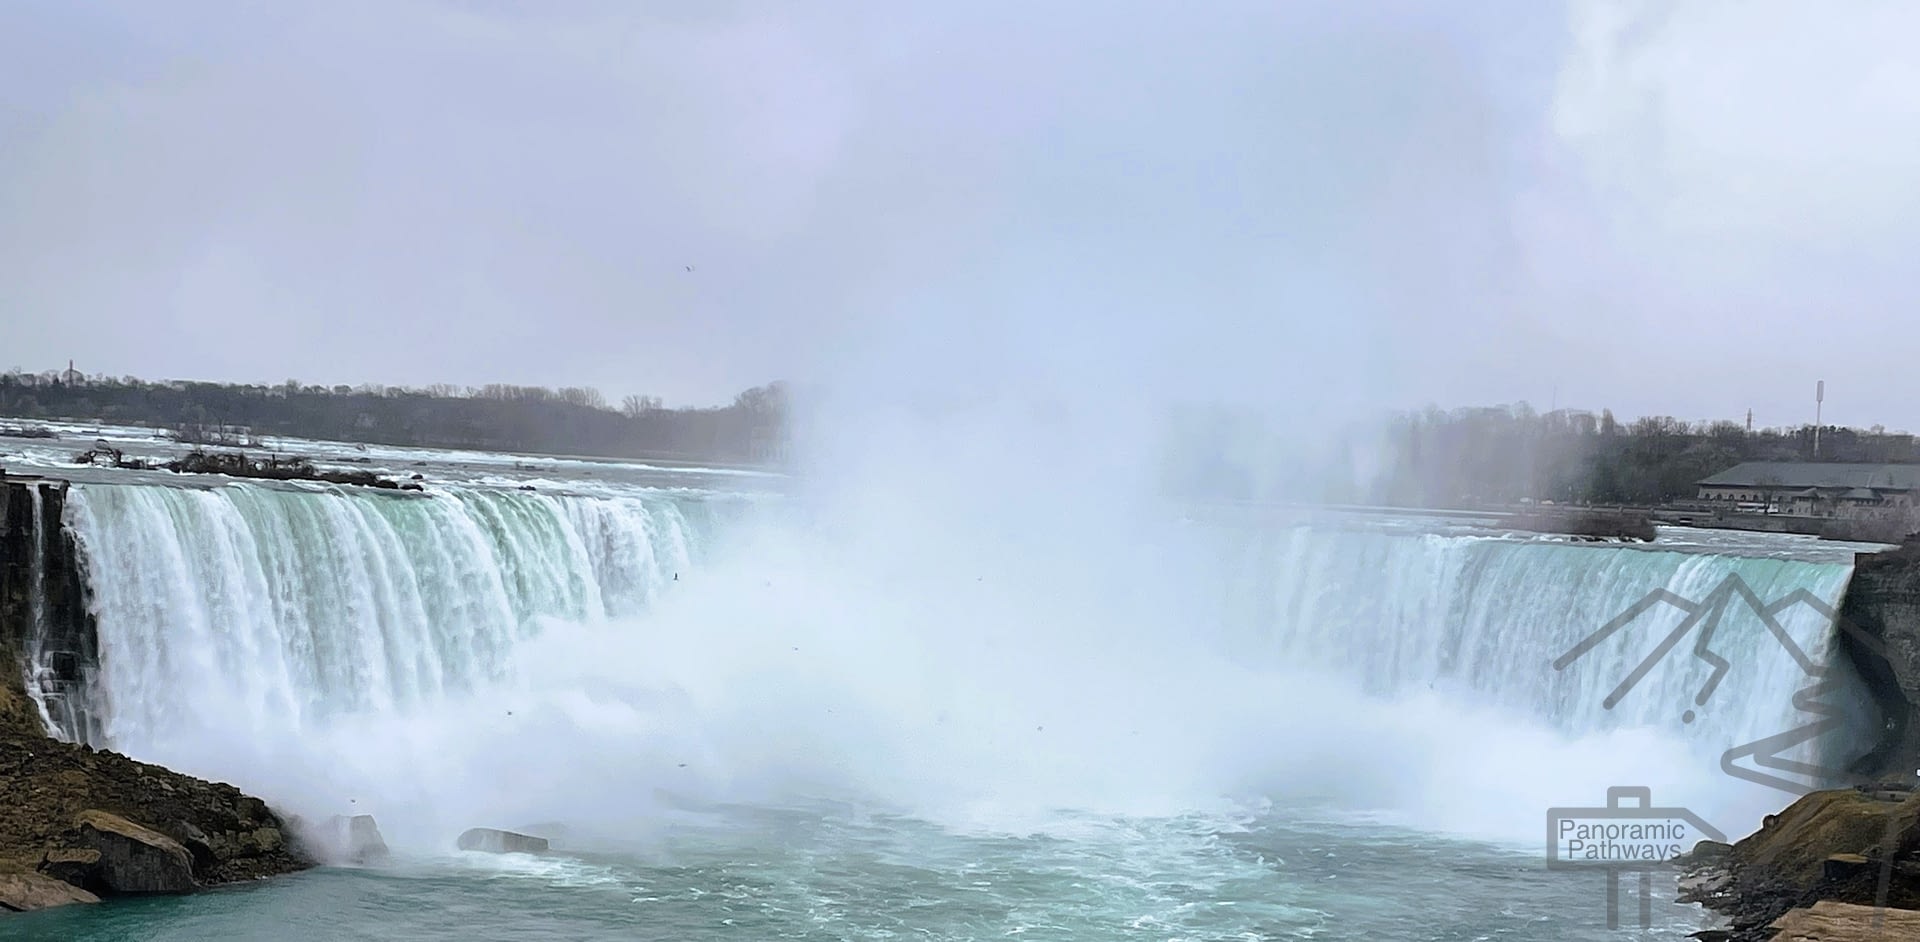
38 668
324 643
1489 616
57 641
296 604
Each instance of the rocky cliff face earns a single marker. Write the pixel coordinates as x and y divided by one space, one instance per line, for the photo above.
1858 846
1880 632
43 605
93 818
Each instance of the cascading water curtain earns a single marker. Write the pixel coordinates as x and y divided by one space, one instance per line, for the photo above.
298 604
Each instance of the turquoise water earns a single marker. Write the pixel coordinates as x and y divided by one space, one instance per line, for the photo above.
825 874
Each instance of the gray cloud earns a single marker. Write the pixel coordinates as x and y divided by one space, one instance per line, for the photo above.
1687 209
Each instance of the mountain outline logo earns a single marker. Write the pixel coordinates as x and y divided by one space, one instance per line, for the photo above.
1767 753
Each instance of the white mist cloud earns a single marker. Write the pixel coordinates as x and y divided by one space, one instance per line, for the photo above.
1751 124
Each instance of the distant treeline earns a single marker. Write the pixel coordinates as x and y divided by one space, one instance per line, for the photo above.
1505 454
572 420
1486 456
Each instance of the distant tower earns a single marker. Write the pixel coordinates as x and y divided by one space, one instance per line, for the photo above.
1819 397
71 376
1749 421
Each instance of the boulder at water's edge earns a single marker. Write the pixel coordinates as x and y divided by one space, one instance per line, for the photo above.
495 841
109 825
25 892
129 858
354 840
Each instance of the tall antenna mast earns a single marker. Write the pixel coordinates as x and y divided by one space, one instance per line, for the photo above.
1819 397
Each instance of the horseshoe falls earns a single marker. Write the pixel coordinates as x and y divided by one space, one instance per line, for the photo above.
731 717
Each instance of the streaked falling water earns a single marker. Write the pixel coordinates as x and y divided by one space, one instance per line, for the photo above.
57 649
1484 619
37 665
298 604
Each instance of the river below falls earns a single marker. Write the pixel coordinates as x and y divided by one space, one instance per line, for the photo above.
844 873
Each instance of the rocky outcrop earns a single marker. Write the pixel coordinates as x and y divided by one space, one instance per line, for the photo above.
364 841
352 840
111 825
495 841
109 854
1858 845
239 465
1880 635
75 865
25 892
1828 921
43 604
1588 523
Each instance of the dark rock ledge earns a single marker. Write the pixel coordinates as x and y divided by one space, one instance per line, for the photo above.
80 825
1829 857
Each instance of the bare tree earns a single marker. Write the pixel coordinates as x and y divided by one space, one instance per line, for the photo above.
586 396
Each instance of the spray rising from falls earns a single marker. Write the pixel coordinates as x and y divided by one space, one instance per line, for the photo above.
491 656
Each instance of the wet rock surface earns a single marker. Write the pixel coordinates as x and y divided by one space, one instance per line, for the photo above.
1880 618
25 892
127 858
1828 921
1857 846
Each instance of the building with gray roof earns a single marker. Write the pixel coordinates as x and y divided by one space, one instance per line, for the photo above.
1814 487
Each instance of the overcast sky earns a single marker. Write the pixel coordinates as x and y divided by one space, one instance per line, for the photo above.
1679 208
